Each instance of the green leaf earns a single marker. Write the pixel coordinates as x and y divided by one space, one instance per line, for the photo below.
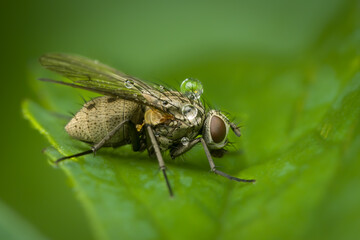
13 227
301 142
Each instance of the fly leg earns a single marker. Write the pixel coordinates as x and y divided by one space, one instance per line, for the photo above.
134 137
107 137
97 146
74 155
159 156
183 148
235 129
213 167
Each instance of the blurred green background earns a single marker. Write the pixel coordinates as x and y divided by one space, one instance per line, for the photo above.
215 41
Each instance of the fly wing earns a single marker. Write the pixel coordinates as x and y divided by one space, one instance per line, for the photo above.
97 77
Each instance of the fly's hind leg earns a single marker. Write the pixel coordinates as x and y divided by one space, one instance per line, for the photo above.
98 145
74 155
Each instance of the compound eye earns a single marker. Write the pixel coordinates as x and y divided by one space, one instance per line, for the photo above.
217 129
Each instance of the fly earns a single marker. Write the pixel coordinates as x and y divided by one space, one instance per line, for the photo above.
149 117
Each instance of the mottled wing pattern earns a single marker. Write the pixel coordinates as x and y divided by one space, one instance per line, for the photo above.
97 77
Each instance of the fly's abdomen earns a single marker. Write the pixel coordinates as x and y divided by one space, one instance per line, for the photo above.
101 115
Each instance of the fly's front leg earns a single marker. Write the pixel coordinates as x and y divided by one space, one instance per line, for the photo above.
213 167
235 129
183 148
97 146
159 156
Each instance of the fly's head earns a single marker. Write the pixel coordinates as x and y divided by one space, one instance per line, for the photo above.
215 130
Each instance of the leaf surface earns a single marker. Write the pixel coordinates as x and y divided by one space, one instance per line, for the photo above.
301 142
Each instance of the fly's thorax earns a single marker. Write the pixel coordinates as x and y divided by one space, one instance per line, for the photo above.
215 130
172 133
178 105
180 118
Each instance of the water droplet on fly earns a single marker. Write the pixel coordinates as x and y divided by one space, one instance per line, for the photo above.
129 84
192 88
185 141
161 87
189 111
